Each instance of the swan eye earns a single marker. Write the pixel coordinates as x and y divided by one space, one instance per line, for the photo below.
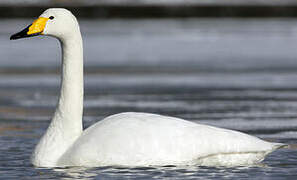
51 17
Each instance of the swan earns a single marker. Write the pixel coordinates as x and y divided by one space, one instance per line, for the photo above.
130 138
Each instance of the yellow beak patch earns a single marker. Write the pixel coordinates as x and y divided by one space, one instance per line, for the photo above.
38 26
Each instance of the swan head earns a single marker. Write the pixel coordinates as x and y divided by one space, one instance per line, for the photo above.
57 22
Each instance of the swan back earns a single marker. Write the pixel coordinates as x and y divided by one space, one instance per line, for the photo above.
142 139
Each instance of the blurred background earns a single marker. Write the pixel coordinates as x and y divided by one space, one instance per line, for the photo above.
227 63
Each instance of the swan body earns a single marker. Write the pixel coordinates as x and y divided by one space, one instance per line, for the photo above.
137 139
129 139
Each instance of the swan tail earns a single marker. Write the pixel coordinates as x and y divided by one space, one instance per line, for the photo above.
276 146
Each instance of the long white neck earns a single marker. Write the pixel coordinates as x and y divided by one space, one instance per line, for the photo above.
70 105
66 124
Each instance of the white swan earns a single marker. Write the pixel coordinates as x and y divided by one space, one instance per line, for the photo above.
130 139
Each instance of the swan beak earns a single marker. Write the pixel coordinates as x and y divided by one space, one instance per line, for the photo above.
34 29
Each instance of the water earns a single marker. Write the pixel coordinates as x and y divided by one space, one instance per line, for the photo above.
238 74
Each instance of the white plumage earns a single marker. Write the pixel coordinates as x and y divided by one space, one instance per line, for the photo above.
138 139
131 139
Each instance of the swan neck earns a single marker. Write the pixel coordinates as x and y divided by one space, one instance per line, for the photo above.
70 104
66 124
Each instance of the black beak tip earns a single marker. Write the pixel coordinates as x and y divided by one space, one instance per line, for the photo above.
22 34
19 35
13 37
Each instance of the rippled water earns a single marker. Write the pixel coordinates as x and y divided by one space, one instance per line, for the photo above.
237 74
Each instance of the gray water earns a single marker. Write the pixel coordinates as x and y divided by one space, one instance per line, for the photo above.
233 73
